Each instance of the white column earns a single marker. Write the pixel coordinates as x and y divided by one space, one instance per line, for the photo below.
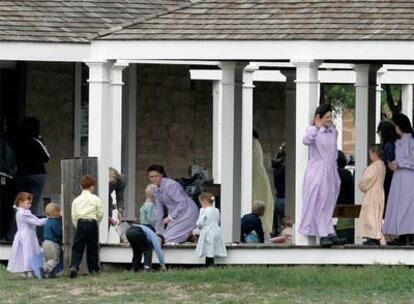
99 128
361 125
339 124
231 154
116 102
217 134
407 100
307 91
247 140
290 92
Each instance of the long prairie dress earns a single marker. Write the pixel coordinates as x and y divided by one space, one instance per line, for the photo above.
182 211
321 183
210 243
261 189
372 209
400 206
25 243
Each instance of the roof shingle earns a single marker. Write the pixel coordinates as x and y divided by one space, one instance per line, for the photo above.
277 20
72 21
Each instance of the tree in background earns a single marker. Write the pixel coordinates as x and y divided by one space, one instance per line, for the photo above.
393 100
342 97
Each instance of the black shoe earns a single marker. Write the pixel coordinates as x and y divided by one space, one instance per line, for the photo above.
371 242
337 240
51 276
326 242
42 272
94 273
73 273
410 240
402 240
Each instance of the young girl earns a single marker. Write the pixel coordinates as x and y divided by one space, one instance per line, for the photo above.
25 244
210 242
147 211
372 184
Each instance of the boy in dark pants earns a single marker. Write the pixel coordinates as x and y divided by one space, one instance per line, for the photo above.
86 214
143 240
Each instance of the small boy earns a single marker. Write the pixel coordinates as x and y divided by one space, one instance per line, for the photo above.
147 211
143 240
52 243
86 214
251 224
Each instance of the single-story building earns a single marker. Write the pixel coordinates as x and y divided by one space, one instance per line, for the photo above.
115 80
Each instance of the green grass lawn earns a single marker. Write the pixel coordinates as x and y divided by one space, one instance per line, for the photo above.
301 284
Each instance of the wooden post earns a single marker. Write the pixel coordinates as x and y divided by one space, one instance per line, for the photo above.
72 171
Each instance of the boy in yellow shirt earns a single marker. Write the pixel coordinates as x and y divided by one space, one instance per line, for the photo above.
86 214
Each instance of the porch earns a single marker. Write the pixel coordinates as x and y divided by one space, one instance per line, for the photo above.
263 254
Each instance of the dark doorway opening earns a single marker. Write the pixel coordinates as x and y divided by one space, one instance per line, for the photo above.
12 101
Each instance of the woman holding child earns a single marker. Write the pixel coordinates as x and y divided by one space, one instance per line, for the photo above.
182 211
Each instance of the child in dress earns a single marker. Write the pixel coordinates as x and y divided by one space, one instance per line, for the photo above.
210 243
52 234
25 243
372 184
147 211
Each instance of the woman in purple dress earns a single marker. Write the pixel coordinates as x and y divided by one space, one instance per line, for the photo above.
386 131
182 211
400 207
321 183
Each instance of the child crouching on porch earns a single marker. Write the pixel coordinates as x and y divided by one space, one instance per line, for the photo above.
372 209
86 214
210 242
52 234
251 224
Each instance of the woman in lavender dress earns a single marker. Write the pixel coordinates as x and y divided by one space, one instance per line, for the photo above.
321 183
182 211
400 207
